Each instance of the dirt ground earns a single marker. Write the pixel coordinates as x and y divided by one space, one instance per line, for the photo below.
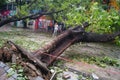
91 49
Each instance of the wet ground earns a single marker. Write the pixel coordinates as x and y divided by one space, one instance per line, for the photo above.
90 49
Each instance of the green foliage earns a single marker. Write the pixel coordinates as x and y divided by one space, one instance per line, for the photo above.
59 63
27 43
78 11
11 72
75 12
23 11
103 61
118 41
20 71
103 21
81 77
118 2
100 61
2 2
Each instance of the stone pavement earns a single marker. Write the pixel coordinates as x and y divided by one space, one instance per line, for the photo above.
7 73
5 70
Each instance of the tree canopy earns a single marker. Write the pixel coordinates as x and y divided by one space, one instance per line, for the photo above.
73 12
2 2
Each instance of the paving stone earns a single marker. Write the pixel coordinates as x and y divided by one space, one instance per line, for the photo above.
6 68
11 78
15 76
3 77
10 70
38 78
2 71
2 64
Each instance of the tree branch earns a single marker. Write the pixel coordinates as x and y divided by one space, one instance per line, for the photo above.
94 37
34 16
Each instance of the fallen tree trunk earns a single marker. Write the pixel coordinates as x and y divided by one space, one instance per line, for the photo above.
39 60
66 39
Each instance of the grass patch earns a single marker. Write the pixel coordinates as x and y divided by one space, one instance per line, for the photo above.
100 61
20 38
28 44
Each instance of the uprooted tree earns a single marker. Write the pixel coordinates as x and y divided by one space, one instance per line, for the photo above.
36 63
